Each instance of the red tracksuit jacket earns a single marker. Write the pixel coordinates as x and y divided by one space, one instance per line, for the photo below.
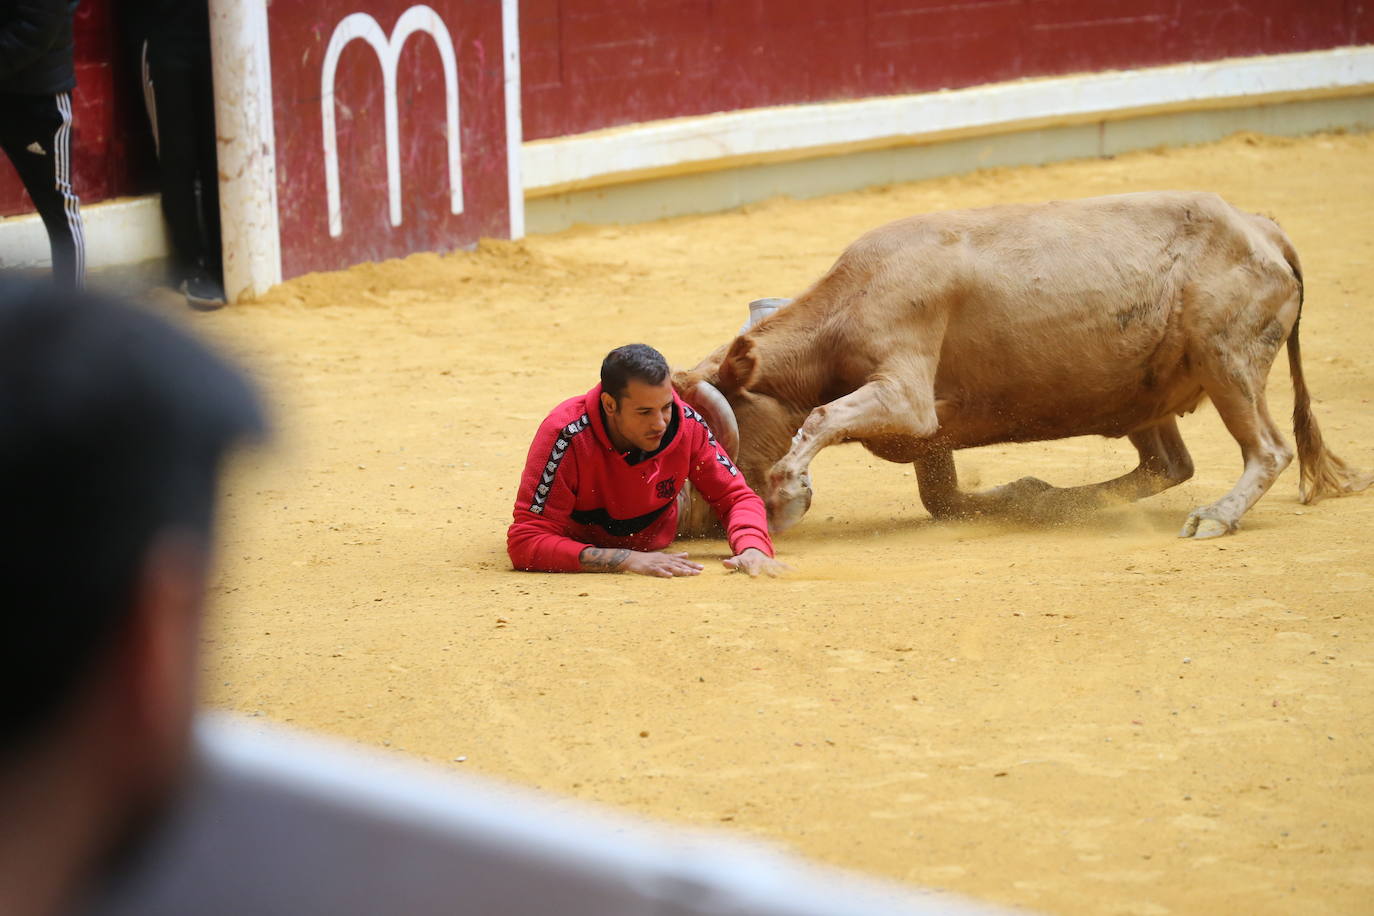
578 491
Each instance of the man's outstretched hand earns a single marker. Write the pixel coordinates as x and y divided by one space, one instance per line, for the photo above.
654 563
755 562
663 565
668 565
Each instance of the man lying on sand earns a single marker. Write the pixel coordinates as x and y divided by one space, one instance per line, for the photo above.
599 491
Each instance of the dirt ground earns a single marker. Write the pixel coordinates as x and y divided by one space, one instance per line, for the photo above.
1091 718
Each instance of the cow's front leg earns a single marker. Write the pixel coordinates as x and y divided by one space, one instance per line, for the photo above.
882 408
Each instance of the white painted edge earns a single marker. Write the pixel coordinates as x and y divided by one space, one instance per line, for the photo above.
247 146
681 143
124 231
515 187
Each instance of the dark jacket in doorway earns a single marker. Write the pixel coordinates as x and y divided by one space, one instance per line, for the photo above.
36 46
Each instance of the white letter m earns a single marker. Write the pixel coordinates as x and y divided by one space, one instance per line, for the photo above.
361 25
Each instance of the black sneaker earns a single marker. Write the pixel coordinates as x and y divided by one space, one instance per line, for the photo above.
202 293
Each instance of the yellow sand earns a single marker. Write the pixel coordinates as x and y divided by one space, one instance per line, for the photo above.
1091 718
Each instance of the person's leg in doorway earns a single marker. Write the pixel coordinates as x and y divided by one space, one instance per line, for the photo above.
182 108
36 134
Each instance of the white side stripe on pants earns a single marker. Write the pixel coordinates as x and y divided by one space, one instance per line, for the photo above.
62 146
150 98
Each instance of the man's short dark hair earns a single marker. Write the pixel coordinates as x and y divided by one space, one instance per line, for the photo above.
637 361
113 429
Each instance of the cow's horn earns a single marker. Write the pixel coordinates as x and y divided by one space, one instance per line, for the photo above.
719 415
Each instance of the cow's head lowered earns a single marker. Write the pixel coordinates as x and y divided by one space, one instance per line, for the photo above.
753 420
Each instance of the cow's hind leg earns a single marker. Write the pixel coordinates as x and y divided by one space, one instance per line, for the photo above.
938 483
1164 463
1241 403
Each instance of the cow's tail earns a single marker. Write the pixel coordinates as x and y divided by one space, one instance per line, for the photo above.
1322 473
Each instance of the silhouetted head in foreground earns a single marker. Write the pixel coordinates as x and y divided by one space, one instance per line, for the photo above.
114 427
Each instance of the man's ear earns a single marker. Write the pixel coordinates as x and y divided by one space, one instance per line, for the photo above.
740 366
608 403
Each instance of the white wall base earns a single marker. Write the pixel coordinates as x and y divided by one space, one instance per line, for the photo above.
713 191
118 232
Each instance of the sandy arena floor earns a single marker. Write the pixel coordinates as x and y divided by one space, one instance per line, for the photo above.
1091 718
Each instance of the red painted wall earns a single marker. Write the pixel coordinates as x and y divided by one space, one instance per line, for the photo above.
112 151
300 35
589 64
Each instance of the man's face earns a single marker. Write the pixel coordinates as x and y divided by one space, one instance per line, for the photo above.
641 417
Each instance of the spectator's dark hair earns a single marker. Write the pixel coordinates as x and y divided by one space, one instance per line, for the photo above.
639 361
113 429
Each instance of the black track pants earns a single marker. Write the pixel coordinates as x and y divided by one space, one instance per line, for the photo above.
36 134
181 105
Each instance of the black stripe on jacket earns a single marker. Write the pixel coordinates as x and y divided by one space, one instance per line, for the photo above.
560 448
619 527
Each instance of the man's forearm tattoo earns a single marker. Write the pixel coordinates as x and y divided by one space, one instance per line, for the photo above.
603 559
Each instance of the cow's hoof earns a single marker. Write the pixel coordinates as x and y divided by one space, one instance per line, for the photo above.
1201 524
788 510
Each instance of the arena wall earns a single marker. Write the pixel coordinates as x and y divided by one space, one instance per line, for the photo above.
717 161
589 65
658 109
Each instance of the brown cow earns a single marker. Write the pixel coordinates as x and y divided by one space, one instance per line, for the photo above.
1108 316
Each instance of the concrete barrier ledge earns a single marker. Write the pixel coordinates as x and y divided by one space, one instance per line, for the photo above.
127 230
687 192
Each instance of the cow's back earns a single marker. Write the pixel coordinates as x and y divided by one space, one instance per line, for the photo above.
1065 318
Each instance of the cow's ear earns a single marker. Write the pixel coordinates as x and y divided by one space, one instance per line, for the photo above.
740 366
